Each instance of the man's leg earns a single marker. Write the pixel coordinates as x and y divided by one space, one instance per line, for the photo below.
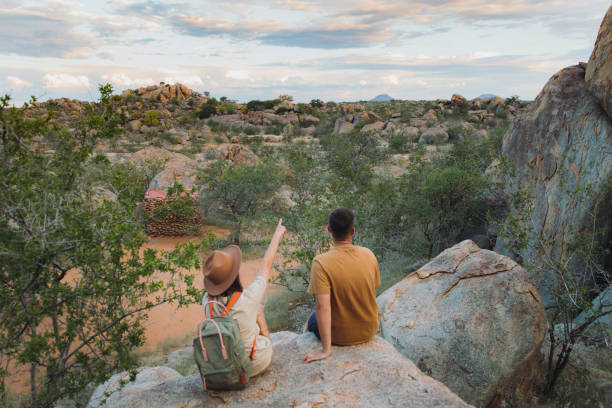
313 326
261 321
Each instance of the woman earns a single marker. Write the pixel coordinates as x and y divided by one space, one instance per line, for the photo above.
223 279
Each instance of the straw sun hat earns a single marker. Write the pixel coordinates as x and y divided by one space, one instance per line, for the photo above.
221 269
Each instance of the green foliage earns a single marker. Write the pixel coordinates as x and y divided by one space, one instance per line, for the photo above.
206 111
399 142
352 155
226 108
274 128
238 190
513 100
74 288
316 103
151 118
251 130
402 219
257 105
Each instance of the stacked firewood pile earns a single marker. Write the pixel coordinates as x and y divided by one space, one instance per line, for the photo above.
160 224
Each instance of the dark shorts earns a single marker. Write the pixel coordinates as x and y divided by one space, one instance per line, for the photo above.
313 326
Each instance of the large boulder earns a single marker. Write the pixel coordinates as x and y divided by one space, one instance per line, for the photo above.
373 127
167 177
599 70
470 318
561 143
373 374
343 126
434 135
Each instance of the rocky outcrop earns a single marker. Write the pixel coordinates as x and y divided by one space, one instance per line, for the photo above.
373 374
161 93
470 318
561 143
599 71
167 177
434 135
343 126
373 127
238 154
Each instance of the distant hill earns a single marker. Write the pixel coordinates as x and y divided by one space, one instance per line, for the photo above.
382 98
483 96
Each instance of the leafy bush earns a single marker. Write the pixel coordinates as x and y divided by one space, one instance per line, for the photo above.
238 190
251 130
257 105
151 118
74 286
316 103
206 111
227 108
399 142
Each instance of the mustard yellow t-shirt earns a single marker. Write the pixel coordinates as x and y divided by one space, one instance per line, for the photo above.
350 275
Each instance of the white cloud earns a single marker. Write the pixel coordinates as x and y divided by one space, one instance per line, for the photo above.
188 80
239 75
391 79
363 83
420 82
18 83
485 54
63 81
122 79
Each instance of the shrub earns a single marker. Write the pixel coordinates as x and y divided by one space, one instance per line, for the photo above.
151 118
398 142
75 291
251 130
316 103
206 111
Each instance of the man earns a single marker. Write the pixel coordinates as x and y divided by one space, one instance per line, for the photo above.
343 281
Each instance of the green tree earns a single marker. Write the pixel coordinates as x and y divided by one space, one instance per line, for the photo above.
74 287
352 156
239 190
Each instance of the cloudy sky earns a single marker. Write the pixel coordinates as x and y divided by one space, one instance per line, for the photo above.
327 49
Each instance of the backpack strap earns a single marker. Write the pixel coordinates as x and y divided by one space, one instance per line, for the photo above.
226 308
253 348
223 350
231 303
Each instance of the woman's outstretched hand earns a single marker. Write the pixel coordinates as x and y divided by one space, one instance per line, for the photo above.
280 229
268 258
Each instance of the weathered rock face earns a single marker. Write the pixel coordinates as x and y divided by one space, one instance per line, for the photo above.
342 126
369 375
434 135
166 178
599 71
562 142
470 318
238 153
161 92
373 127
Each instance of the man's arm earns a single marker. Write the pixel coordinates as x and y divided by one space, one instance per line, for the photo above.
323 311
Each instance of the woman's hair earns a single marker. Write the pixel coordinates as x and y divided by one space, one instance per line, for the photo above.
234 287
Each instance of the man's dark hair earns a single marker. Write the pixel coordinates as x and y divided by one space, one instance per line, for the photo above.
341 222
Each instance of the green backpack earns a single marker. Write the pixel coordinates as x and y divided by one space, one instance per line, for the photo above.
219 351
